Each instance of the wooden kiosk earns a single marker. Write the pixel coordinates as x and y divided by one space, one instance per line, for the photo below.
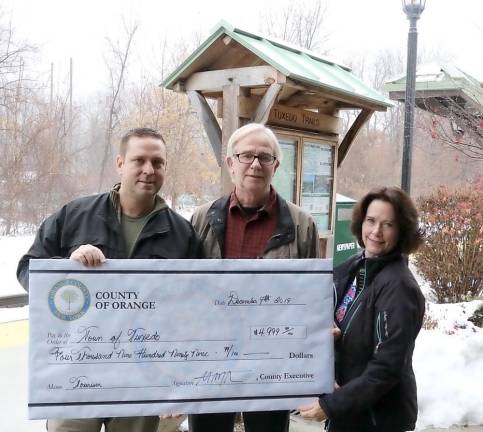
295 92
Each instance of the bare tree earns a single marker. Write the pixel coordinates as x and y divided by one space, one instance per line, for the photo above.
299 23
117 65
37 164
192 168
13 105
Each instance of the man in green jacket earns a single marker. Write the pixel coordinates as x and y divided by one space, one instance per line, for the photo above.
252 222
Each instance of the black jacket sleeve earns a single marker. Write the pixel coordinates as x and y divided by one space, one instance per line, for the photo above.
399 310
46 245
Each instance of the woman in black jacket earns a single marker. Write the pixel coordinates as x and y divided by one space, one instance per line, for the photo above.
379 311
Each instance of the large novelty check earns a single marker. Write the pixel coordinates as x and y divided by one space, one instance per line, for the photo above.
145 337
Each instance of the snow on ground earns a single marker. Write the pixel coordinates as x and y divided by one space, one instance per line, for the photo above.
448 363
423 284
186 212
13 314
11 250
448 358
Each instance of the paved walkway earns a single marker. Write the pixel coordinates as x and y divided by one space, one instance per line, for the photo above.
13 376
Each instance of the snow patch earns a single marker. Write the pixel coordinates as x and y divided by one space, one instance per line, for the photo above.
451 318
11 250
14 314
448 374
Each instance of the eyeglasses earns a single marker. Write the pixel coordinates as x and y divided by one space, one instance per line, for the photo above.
248 158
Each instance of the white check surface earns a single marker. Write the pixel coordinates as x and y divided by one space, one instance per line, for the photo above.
145 337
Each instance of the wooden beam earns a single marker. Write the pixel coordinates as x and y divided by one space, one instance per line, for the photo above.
325 93
263 110
286 93
227 40
209 122
351 134
219 107
304 100
434 106
252 76
303 119
179 87
231 122
328 107
424 94
281 115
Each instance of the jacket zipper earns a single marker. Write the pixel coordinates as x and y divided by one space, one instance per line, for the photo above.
378 332
373 417
350 321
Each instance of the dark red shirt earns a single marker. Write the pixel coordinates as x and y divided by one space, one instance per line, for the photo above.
248 232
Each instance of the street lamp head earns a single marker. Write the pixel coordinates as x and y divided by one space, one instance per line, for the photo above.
413 8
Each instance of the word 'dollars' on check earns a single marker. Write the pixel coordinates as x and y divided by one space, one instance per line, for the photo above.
146 337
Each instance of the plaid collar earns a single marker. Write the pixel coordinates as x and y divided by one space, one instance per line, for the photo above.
269 208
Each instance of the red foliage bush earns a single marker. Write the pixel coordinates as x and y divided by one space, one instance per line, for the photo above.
451 259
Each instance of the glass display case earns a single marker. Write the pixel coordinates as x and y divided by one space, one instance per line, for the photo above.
306 175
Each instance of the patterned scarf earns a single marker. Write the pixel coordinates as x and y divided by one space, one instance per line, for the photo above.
354 289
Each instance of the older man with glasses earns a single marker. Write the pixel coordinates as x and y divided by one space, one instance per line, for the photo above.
253 222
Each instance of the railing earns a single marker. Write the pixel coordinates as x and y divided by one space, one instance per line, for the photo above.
14 300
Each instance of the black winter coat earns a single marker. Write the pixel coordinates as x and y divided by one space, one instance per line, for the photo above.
374 354
93 220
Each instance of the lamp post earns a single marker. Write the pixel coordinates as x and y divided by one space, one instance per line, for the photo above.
413 10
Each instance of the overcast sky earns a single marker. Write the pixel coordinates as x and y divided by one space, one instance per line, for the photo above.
73 28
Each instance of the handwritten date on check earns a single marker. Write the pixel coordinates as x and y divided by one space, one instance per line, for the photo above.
146 337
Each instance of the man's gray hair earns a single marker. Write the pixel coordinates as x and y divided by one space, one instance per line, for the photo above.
249 129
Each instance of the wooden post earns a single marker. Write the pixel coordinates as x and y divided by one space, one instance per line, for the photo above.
266 104
351 134
231 122
209 122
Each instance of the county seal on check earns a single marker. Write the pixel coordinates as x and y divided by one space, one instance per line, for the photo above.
145 337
